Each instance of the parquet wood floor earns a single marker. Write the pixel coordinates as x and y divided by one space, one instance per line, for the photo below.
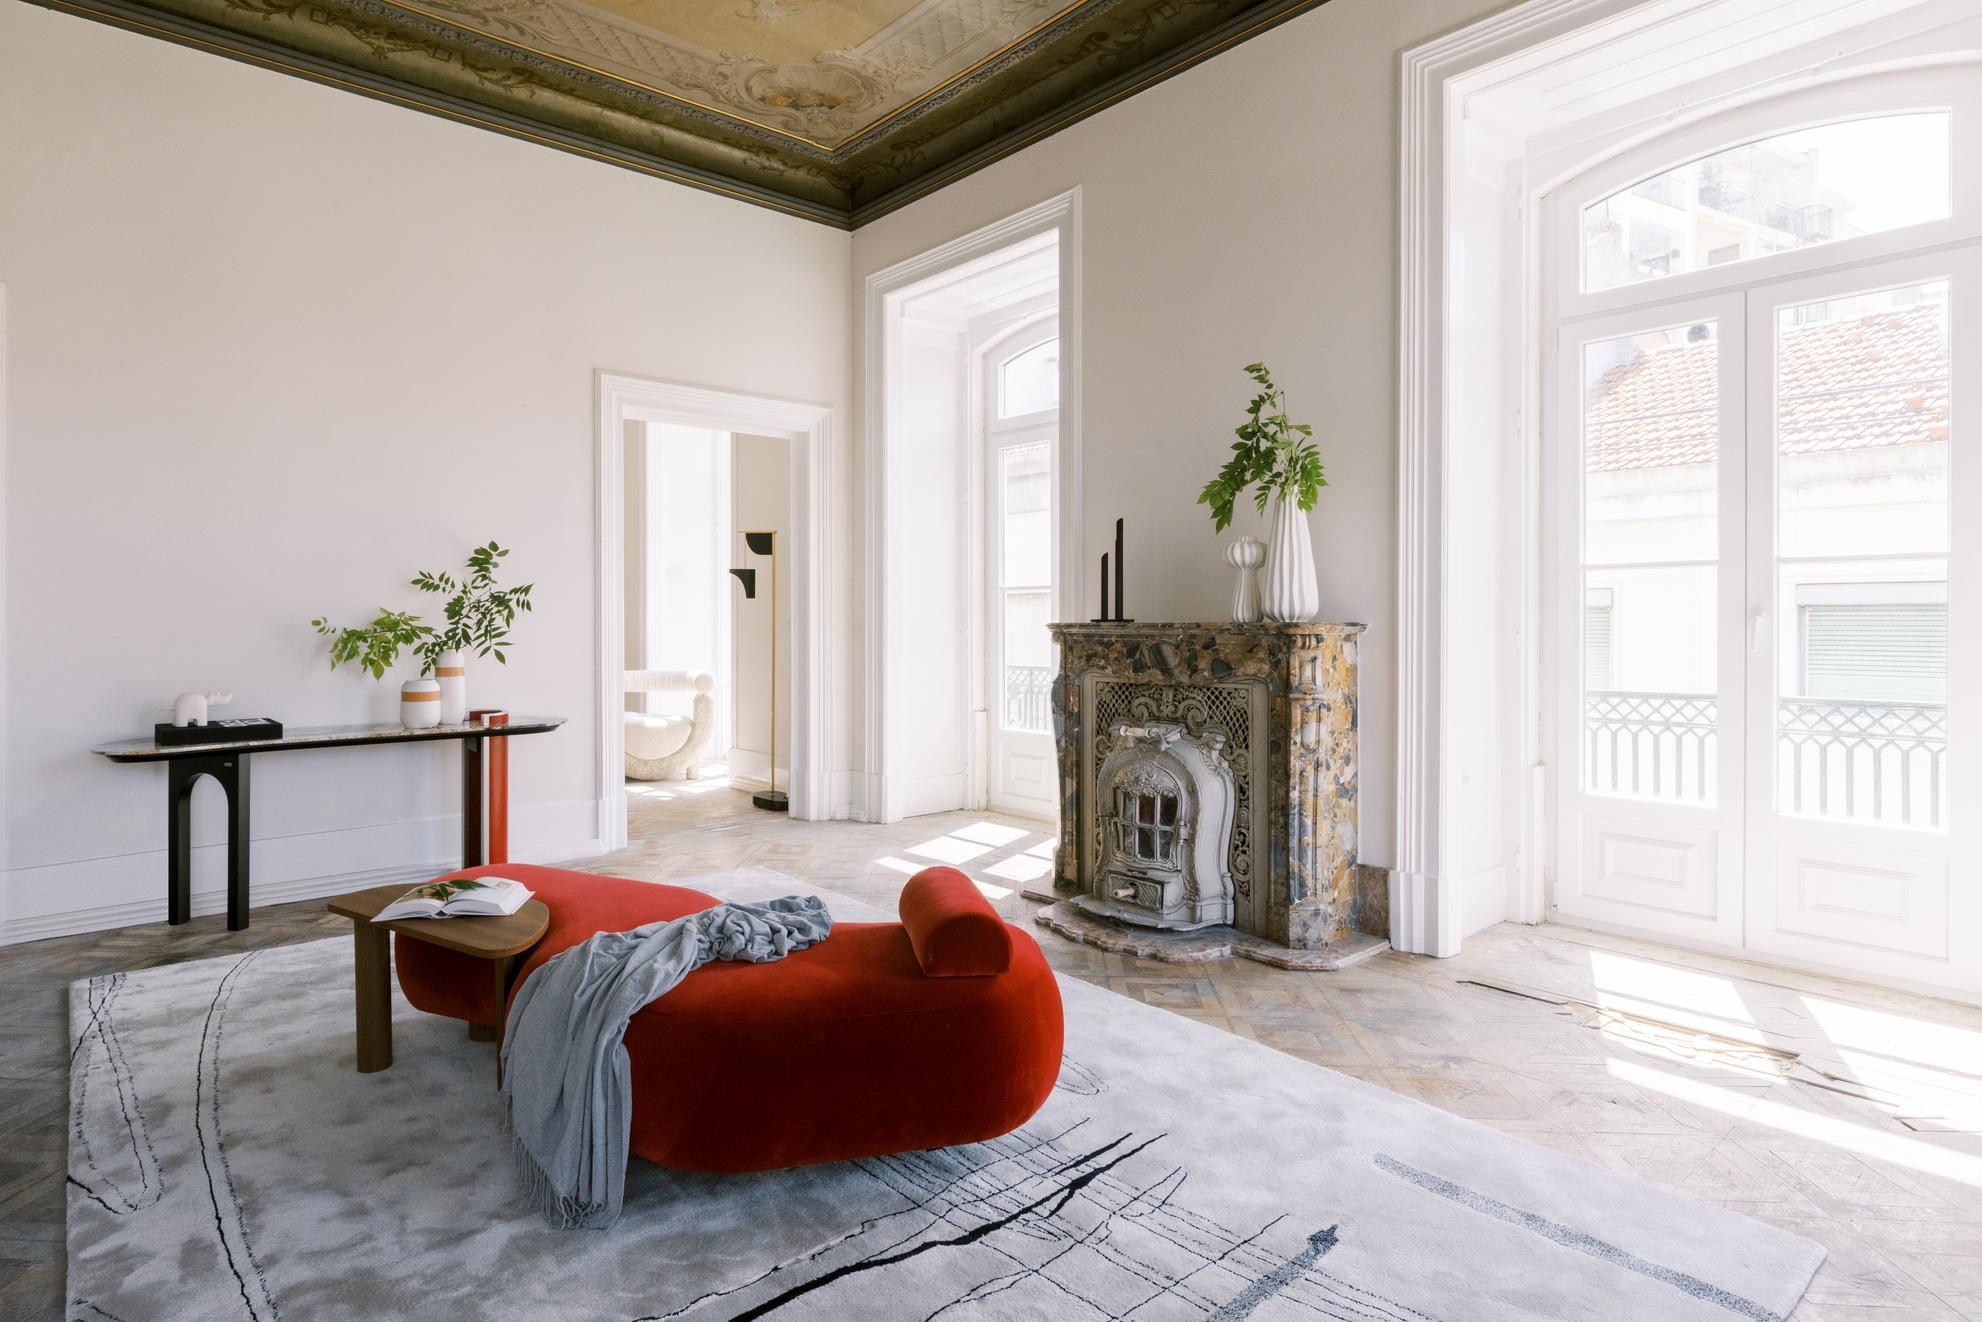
1846 1113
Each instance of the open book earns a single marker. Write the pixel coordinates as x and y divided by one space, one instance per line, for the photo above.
457 897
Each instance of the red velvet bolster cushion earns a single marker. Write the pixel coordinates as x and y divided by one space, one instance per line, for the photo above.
954 930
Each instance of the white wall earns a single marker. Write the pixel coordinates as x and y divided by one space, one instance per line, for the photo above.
760 493
272 347
1246 209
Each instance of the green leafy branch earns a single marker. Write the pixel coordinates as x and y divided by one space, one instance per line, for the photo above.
478 616
478 613
1274 455
375 646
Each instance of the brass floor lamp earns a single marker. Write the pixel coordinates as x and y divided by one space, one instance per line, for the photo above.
766 543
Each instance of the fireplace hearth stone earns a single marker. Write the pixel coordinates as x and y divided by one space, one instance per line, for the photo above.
1277 704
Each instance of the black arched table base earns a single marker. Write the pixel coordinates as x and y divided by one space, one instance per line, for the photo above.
227 763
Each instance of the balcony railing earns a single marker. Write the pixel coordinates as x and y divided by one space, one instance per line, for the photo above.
1652 745
1029 698
1882 763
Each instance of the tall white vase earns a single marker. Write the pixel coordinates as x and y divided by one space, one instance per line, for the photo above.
1292 595
451 669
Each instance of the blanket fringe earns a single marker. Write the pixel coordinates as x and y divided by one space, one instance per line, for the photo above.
558 1211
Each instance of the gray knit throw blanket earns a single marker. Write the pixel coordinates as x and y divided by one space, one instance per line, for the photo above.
566 1085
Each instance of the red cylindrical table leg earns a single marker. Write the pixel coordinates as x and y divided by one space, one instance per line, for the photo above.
498 771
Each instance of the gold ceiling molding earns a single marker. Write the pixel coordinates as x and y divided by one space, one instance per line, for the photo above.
838 110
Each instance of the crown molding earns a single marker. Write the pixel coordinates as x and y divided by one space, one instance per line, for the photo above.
1088 58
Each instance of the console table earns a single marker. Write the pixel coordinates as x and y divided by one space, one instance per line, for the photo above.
227 763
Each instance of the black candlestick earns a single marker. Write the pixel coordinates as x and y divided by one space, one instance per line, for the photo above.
1118 572
1103 618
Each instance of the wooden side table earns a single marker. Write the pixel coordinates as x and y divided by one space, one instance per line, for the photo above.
498 940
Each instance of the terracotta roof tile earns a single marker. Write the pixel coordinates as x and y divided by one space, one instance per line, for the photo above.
1846 384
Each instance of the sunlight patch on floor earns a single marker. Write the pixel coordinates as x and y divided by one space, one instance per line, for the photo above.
676 789
1020 868
949 849
990 833
1644 986
1899 1150
982 849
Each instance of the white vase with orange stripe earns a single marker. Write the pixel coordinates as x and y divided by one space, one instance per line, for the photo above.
451 669
419 703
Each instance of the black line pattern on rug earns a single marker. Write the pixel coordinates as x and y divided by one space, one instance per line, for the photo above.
992 1197
1078 1079
100 995
1271 1284
1058 1197
104 1314
206 1123
1571 1238
1194 1234
916 1203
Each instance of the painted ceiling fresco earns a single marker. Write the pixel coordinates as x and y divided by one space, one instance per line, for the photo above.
839 110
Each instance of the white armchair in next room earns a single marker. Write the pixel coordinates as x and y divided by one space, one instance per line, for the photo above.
669 745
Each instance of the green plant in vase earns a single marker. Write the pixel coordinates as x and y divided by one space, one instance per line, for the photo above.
477 616
1277 460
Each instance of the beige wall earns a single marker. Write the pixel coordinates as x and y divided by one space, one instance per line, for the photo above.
1244 210
273 347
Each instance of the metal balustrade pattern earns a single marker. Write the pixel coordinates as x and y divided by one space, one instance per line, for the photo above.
1882 763
1029 698
1652 745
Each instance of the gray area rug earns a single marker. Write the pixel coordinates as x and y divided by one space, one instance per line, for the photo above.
227 1161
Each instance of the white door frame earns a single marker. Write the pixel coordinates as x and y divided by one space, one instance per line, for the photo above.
815 627
881 798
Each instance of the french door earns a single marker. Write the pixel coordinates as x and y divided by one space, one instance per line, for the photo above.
1022 428
1765 588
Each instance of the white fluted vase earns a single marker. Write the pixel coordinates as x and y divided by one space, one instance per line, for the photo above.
1292 592
1246 555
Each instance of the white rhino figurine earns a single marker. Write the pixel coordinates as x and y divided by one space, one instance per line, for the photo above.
190 708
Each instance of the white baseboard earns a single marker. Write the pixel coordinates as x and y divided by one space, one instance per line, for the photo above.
750 768
128 889
923 795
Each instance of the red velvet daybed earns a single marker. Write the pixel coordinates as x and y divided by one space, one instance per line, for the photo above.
944 1028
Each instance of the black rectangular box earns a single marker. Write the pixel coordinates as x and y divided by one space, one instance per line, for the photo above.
232 730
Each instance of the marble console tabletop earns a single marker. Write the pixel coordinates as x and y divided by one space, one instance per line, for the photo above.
324 736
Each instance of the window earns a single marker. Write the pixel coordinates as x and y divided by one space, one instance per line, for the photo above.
1146 827
1599 640
1025 581
1874 642
1794 190
1030 382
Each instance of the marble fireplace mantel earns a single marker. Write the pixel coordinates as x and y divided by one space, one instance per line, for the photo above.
1287 695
